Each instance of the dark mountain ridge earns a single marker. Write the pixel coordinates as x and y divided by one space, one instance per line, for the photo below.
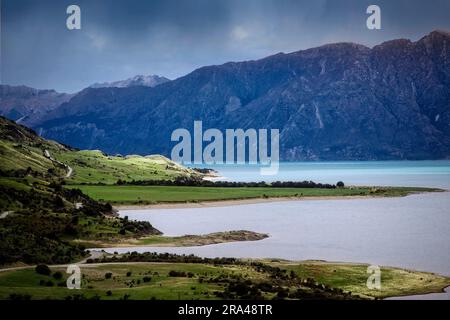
339 101
27 105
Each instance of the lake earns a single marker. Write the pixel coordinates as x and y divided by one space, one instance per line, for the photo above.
381 173
410 232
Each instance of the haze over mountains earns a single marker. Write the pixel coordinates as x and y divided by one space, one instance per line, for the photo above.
340 101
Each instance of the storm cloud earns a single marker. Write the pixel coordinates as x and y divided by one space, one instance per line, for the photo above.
120 39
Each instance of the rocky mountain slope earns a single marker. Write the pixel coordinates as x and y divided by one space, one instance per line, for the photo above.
340 101
27 105
139 80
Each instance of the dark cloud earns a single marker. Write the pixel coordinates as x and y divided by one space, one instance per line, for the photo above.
122 38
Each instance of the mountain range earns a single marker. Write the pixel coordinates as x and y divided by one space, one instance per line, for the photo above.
340 101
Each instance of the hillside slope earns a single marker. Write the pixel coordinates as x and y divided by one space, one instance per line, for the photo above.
24 153
39 218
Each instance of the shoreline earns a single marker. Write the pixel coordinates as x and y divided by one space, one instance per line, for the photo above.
239 202
161 241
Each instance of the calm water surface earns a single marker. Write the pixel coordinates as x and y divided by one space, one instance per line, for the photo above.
409 232
390 173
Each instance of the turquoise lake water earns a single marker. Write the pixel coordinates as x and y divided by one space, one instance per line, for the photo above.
382 173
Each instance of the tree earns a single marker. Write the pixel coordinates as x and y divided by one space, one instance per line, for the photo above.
43 269
340 184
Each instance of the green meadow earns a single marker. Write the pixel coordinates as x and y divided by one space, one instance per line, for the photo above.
144 281
93 166
129 194
353 278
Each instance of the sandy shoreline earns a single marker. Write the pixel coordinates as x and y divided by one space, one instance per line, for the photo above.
233 202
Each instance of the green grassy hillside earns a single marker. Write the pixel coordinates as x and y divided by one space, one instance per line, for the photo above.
94 166
23 153
39 218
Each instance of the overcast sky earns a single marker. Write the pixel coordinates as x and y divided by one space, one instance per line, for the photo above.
123 38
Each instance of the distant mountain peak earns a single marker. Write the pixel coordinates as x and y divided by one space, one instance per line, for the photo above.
139 80
439 32
25 104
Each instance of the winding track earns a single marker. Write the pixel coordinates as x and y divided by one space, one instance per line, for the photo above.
94 255
69 168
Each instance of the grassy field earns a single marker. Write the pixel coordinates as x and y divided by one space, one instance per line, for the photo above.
353 277
95 167
21 156
177 194
143 281
161 286
22 152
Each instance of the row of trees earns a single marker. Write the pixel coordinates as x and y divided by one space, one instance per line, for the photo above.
196 182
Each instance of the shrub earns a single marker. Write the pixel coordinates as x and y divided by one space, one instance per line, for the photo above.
282 294
49 283
58 275
109 293
43 269
147 279
129 274
174 273
340 184
108 275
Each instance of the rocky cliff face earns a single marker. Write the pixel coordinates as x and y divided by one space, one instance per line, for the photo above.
336 102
